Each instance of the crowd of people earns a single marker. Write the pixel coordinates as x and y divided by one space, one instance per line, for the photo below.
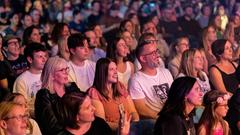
104 67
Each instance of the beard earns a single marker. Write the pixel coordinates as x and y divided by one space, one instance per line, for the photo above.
153 64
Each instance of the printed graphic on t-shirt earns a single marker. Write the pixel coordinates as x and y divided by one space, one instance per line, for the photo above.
161 90
35 87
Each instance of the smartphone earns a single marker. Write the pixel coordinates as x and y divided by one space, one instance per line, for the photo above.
122 114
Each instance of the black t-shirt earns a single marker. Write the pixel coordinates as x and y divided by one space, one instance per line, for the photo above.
7 73
98 127
19 65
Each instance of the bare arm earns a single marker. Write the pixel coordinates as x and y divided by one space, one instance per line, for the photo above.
4 83
143 110
201 130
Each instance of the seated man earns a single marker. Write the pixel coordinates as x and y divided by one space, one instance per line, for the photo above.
82 70
149 86
28 83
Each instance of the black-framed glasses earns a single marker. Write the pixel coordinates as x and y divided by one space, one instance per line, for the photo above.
156 52
63 70
19 117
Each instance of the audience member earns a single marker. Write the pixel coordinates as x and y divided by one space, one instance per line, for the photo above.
13 119
222 74
60 32
192 65
13 27
81 69
208 37
149 86
177 48
108 94
77 25
54 85
176 116
26 22
189 25
77 116
216 107
149 27
118 52
32 126
28 83
18 62
30 34
204 18
95 51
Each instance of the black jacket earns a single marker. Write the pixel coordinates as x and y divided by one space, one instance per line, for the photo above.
47 110
171 124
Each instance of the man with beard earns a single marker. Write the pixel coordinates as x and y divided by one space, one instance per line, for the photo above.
149 86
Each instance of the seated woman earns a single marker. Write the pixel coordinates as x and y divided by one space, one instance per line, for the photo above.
176 116
118 51
78 117
216 107
108 94
222 74
13 119
32 126
54 85
192 65
177 48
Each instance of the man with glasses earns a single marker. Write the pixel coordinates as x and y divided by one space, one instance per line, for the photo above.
17 62
149 86
82 70
29 83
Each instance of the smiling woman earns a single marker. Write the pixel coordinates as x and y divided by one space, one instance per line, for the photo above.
107 94
54 85
176 116
13 120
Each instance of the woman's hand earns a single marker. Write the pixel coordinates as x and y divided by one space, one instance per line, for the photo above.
125 126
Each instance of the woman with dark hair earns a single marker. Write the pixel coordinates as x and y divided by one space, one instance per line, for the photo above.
108 94
176 116
216 107
78 117
222 74
118 52
30 34
60 32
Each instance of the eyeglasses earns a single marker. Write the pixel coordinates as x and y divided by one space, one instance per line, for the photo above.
13 43
63 70
19 117
156 52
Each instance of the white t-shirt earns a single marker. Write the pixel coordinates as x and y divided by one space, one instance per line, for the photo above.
125 76
28 84
204 84
153 88
83 76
